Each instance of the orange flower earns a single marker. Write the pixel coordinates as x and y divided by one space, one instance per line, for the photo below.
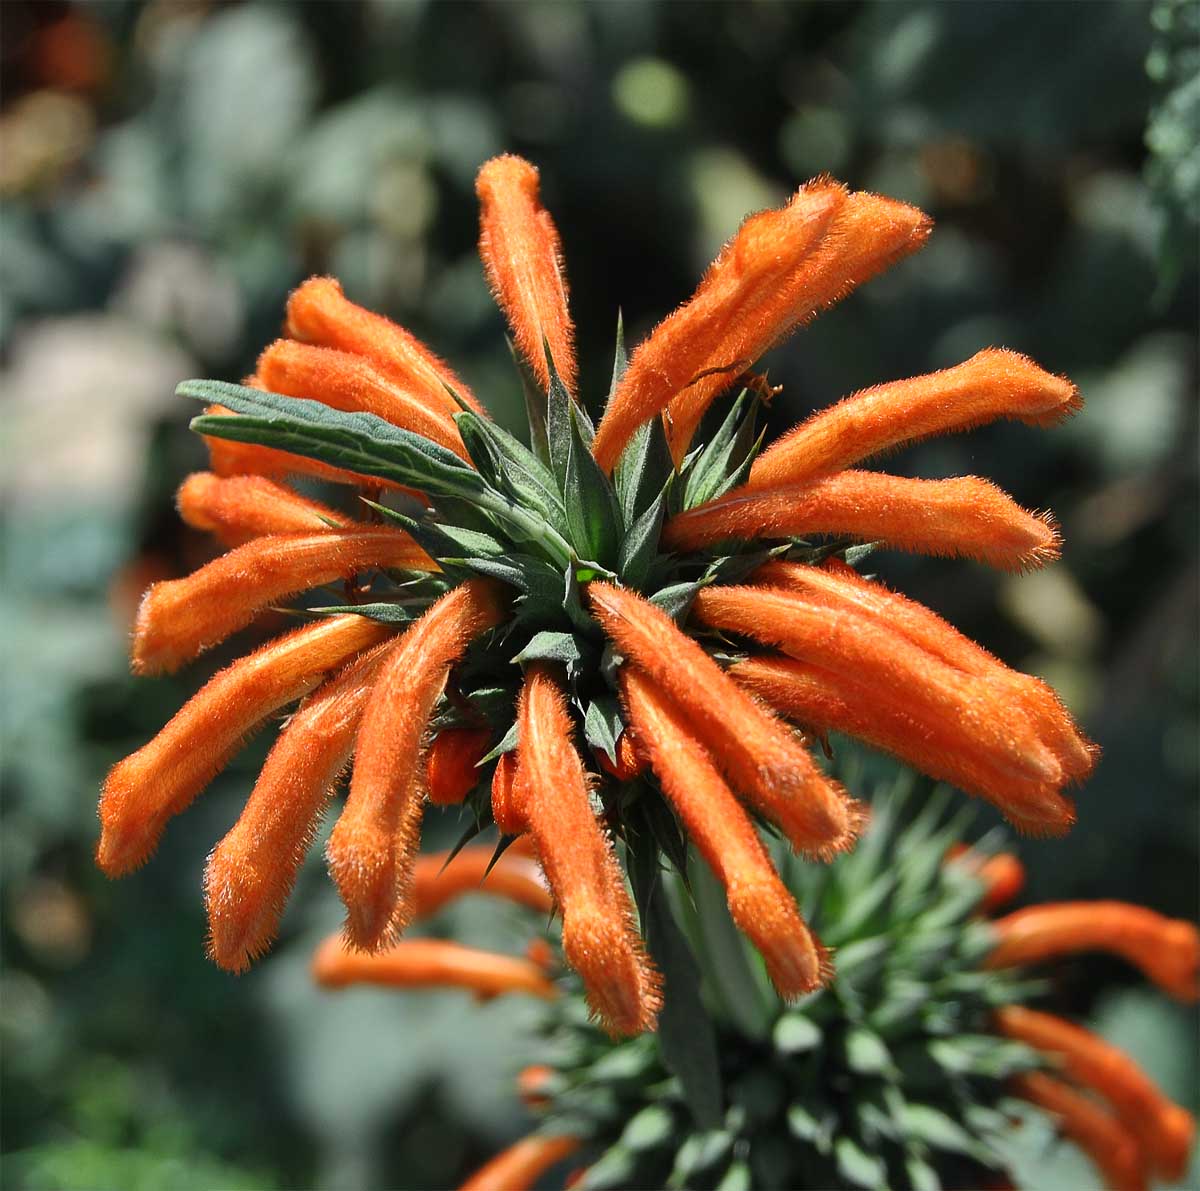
779 270
598 932
439 878
764 761
451 767
522 1164
759 903
965 517
142 792
346 381
371 848
1097 1132
1164 1130
419 963
179 618
240 508
522 256
1166 950
318 312
508 801
992 384
252 870
1002 874
887 682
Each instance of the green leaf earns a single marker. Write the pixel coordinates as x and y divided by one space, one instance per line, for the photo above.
723 454
602 725
384 613
559 430
512 467
940 1131
676 600
535 406
651 1127
736 1178
700 1151
550 646
508 742
639 547
593 519
643 470
357 442
858 1167
794 1034
685 1032
442 540
614 1168
867 1054
526 573
620 358
921 1176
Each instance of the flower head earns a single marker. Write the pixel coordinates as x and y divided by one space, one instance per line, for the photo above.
613 640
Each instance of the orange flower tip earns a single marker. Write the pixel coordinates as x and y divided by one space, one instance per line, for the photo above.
534 1085
364 866
127 838
328 968
1181 941
1177 1128
622 989
241 923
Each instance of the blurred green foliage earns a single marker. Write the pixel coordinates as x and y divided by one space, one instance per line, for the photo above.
171 169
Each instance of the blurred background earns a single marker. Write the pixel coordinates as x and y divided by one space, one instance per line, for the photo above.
170 169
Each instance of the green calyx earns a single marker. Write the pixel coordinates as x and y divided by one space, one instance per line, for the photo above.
886 1078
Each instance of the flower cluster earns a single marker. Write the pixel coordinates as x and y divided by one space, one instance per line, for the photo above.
915 1067
672 603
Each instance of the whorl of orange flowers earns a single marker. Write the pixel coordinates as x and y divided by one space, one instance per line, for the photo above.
377 688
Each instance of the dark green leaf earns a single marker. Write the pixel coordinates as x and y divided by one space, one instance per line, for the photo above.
535 407
722 454
551 647
384 613
676 600
602 725
358 442
643 470
593 519
794 1033
858 1167
639 547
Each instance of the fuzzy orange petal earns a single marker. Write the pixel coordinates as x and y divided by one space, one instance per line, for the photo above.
158 781
991 384
522 1164
180 618
318 312
439 879
522 256
964 517
238 509
451 763
371 848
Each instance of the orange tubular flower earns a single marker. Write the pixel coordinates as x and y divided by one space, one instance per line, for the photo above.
522 257
759 902
438 879
752 295
1097 1132
965 517
1166 950
763 760
630 763
451 765
1164 1130
992 384
508 803
179 618
238 509
522 1164
421 963
598 932
371 848
827 700
158 781
252 870
318 312
349 382
1002 874
841 586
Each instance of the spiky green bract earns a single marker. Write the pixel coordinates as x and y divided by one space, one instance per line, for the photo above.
887 1078
542 519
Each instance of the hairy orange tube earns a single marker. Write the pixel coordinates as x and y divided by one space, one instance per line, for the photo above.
746 301
1002 874
352 383
992 384
599 937
963 517
630 760
238 509
522 257
1165 1130
522 1164
759 902
318 312
866 650
1166 950
438 880
142 792
532 1085
451 763
762 759
424 963
508 801
180 618
828 700
251 872
1096 1131
839 585
370 850
866 234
